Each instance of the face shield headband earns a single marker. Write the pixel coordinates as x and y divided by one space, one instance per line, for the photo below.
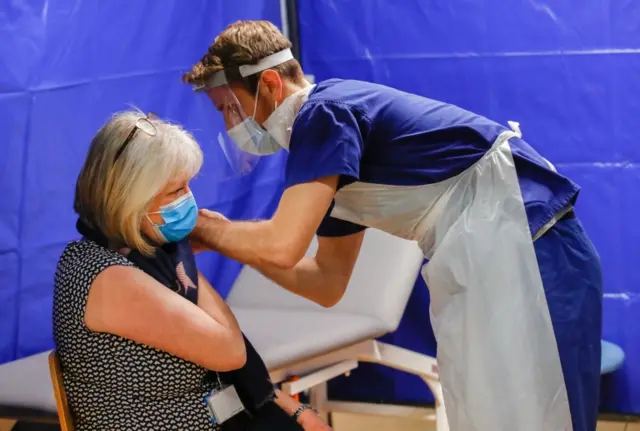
245 140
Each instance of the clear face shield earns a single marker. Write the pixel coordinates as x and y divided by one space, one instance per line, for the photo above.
244 140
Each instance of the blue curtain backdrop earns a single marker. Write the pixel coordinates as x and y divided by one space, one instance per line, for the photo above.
568 71
65 67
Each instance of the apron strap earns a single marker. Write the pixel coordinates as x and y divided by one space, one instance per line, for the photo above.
515 126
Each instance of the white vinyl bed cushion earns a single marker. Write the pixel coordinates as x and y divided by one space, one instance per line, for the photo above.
27 383
293 335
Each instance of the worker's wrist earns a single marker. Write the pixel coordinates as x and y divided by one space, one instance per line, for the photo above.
207 231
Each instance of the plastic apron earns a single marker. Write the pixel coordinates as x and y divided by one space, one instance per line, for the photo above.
497 354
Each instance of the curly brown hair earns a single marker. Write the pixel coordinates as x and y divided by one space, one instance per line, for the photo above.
244 42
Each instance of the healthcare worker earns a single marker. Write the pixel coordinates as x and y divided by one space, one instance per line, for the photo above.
515 283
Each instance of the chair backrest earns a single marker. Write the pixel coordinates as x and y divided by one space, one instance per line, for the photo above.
64 414
380 286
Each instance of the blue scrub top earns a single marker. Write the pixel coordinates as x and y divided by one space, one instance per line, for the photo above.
371 133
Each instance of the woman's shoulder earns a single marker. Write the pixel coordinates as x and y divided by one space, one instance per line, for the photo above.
81 262
86 250
87 257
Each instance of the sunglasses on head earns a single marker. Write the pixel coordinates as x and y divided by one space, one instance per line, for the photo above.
144 124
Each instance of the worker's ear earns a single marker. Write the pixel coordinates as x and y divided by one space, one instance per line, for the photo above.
271 86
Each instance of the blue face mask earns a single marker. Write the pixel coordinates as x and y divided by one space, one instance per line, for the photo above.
179 217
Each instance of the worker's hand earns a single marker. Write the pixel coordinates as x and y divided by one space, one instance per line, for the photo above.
197 246
212 215
204 223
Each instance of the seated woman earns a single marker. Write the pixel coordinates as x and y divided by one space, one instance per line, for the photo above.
145 342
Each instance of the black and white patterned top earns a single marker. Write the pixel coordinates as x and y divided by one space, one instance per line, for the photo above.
113 383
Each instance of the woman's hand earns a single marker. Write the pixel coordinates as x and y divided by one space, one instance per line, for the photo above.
312 422
308 419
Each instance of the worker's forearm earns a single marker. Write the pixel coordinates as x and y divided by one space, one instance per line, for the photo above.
309 280
251 243
257 244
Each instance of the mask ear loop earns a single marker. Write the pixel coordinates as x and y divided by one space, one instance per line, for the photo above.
275 104
156 227
255 104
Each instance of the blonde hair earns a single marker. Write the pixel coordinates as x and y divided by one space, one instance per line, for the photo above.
244 42
113 193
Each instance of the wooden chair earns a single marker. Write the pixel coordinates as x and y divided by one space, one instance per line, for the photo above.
64 414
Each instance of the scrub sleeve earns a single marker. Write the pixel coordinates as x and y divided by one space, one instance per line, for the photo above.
326 140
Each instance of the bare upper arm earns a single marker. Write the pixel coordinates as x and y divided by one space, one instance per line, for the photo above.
125 301
212 303
300 212
337 256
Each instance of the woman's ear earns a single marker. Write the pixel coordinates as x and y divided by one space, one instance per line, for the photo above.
271 86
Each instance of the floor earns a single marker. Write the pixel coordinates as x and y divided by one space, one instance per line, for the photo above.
353 422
